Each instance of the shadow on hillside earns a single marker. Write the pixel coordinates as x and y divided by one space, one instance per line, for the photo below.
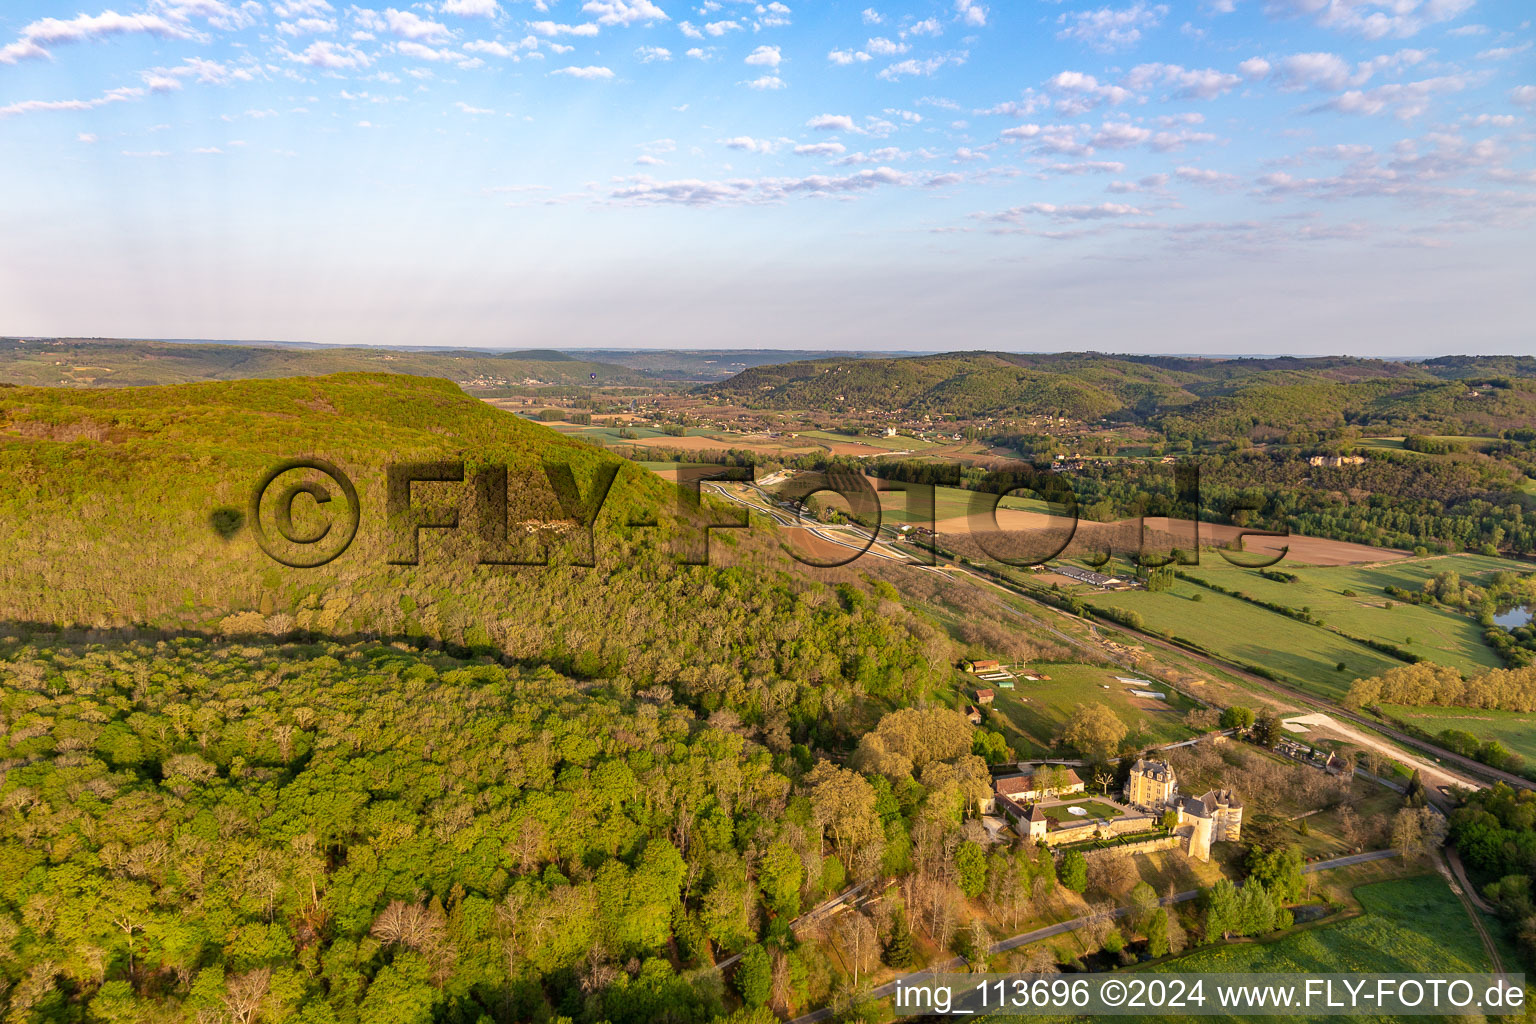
15 633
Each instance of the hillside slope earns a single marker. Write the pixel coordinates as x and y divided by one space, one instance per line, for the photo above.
110 503
123 363
1184 396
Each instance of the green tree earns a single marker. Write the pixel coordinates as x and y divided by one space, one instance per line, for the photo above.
1073 871
754 976
898 951
971 866
1222 911
1094 730
1157 933
1143 905
780 876
1237 717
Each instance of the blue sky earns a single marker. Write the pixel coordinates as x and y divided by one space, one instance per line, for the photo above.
1311 176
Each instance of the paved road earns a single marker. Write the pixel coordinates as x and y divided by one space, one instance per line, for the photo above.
1061 928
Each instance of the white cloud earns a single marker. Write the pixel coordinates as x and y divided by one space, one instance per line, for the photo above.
1078 92
624 12
471 8
301 8
36 37
1404 100
1187 83
1524 95
821 149
773 15
1504 52
408 25
1402 18
1071 211
765 56
926 27
647 191
832 123
496 48
847 57
766 82
1108 29
38 106
872 16
1087 167
648 54
748 143
590 72
971 12
883 47
85 137
1204 176
329 56
551 29
647 160
467 109
1254 67
1119 135
1314 71
306 27
924 67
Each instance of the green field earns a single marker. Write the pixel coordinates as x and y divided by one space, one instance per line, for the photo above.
1437 634
1308 654
952 503
1230 628
1032 714
1387 937
1516 730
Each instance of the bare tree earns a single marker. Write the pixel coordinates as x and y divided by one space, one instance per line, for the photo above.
243 994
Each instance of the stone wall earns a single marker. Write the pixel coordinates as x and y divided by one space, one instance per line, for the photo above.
1145 846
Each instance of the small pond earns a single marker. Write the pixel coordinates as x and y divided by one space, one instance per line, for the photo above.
1515 617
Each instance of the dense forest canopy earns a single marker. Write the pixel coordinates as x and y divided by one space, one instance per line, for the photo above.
368 832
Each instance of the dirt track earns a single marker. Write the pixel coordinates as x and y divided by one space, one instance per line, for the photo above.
1434 775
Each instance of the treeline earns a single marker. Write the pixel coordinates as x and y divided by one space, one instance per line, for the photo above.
1430 685
1465 503
1495 833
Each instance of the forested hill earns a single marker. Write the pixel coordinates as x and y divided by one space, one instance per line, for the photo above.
126 507
1214 396
199 831
75 362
